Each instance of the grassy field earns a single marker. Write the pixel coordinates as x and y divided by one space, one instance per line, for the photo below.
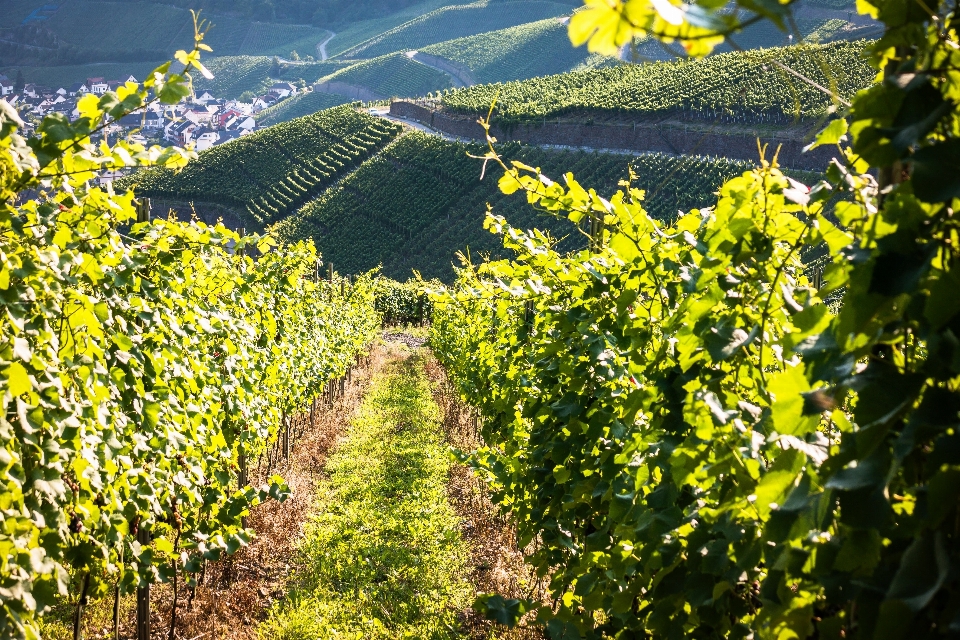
68 74
458 21
383 557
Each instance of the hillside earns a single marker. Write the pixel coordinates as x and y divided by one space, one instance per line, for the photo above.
745 86
84 31
526 51
267 175
418 203
456 21
394 75
303 104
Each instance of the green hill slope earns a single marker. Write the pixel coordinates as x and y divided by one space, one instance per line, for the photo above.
393 75
302 104
526 51
454 22
744 84
269 174
418 203
93 30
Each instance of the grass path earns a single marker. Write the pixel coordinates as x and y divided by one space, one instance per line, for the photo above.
382 557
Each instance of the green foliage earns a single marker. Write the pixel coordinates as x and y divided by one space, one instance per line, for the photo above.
456 21
303 104
272 172
392 76
420 202
526 51
383 557
697 444
141 360
401 303
747 83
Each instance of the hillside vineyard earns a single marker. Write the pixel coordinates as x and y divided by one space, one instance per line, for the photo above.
748 86
416 205
272 172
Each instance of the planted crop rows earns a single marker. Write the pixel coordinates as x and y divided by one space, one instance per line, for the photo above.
747 86
421 201
270 173
525 51
448 23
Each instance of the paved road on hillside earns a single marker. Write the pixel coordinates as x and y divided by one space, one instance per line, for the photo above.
322 47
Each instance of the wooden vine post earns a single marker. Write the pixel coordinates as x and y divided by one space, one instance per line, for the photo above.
143 592
143 535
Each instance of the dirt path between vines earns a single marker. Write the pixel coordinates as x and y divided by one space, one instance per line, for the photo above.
235 595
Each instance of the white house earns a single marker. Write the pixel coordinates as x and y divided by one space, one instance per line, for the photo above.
283 89
98 86
6 85
205 138
204 97
247 124
77 89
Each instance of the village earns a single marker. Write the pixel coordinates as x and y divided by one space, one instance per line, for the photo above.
201 120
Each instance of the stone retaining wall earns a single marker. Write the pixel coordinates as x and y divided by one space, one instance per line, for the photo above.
670 138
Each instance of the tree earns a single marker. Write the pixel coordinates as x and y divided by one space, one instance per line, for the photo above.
275 68
294 56
19 83
247 96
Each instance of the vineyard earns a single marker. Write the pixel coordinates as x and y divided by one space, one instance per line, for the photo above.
661 397
453 22
148 369
272 172
393 75
747 85
233 75
418 203
266 38
516 53
303 104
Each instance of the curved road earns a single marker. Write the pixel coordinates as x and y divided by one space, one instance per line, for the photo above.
322 47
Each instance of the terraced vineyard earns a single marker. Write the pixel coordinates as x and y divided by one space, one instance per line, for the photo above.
233 75
452 22
302 104
747 86
280 39
525 51
269 174
393 76
421 201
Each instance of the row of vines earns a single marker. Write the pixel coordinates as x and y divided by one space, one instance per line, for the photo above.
272 172
142 364
695 439
749 82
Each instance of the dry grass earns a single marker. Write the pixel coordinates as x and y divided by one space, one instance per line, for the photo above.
497 565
